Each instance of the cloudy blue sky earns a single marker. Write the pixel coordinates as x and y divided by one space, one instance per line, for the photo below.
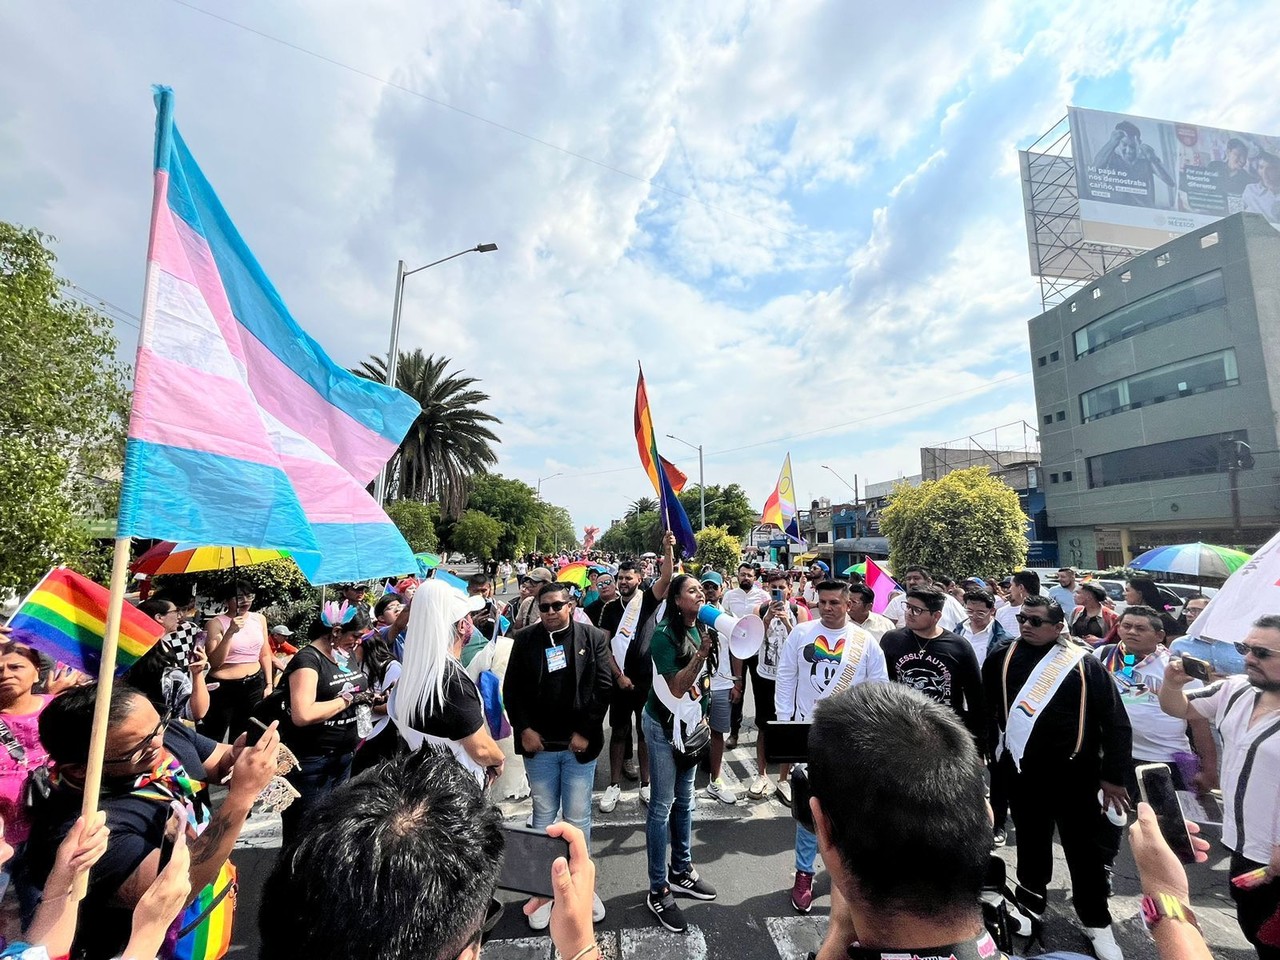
803 217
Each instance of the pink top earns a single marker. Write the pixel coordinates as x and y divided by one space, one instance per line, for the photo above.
246 643
13 775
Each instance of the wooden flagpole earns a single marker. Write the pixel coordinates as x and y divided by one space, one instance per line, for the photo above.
102 708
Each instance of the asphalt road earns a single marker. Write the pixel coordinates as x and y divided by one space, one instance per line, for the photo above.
745 851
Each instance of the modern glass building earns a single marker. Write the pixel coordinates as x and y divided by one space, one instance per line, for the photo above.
1158 395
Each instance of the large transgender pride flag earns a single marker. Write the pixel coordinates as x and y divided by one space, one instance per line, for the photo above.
243 432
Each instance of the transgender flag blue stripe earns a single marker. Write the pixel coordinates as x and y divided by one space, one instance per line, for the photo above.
180 482
259 308
353 546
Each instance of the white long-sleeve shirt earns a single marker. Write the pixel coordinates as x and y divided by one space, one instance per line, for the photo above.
812 661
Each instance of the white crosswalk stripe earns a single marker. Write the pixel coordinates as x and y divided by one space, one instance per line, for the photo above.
793 937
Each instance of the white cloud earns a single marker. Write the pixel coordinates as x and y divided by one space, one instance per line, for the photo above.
833 232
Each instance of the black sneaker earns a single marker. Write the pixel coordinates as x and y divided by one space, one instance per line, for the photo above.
663 906
690 885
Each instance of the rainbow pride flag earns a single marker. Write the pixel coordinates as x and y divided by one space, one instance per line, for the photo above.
65 616
672 511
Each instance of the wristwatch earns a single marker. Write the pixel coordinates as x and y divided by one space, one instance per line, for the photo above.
1165 906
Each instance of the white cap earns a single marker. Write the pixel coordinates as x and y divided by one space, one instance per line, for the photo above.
282 631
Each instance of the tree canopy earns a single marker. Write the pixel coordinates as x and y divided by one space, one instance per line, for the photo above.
726 507
967 524
449 443
718 550
476 535
63 416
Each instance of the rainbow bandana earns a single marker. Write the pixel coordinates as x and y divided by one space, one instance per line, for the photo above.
203 930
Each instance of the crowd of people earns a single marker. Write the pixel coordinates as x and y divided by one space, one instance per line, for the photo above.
965 716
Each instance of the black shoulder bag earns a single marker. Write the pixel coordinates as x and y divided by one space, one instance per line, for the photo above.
37 786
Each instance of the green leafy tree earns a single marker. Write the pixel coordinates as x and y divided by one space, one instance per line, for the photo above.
449 443
62 417
726 507
476 535
643 505
968 523
514 504
638 533
556 528
718 550
416 522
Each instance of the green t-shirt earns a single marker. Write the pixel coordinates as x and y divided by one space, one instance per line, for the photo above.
669 658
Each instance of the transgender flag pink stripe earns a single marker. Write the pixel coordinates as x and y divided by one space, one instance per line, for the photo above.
183 253
328 494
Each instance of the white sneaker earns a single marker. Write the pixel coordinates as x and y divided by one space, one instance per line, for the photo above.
597 908
528 822
718 789
540 919
761 786
644 793
1104 943
610 798
784 791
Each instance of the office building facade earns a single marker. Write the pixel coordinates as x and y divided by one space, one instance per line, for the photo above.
1158 394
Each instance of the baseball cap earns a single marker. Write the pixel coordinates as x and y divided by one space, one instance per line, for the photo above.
280 630
541 574
711 576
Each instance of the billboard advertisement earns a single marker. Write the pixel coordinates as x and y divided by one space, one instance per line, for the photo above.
1142 182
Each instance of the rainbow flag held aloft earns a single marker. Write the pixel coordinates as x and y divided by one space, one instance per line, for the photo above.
243 430
780 508
672 511
675 476
881 584
65 616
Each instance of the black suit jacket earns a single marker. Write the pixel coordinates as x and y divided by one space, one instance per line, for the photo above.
587 652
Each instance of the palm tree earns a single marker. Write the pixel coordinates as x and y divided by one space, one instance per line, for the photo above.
448 443
642 505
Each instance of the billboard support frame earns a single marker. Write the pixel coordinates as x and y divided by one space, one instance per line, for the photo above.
1061 259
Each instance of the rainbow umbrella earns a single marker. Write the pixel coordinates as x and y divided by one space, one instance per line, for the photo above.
859 568
170 557
1193 559
575 573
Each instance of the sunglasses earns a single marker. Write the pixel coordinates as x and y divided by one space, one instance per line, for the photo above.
554 606
1035 622
1260 653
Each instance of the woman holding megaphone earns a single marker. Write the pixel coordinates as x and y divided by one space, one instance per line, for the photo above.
675 727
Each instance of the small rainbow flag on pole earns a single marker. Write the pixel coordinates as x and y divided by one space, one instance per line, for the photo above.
65 616
669 507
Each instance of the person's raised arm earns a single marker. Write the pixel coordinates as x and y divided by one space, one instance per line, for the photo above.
265 662
1161 873
198 705
1173 696
161 904
54 924
660 585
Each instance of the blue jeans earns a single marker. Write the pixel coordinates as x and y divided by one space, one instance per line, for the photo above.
671 805
559 782
806 849
314 778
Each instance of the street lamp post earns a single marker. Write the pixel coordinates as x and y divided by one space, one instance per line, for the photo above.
393 351
857 525
540 479
702 487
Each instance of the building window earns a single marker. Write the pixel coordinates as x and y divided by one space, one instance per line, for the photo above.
1053 357
1060 416
1182 379
1126 276
1048 418
1162 260
1208 240
1189 457
823 537
1096 293
1180 300
1041 361
1053 478
1066 476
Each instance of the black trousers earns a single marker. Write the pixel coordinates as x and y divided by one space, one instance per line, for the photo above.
1257 910
1066 799
230 706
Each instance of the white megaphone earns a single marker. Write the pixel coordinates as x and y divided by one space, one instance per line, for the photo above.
745 634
